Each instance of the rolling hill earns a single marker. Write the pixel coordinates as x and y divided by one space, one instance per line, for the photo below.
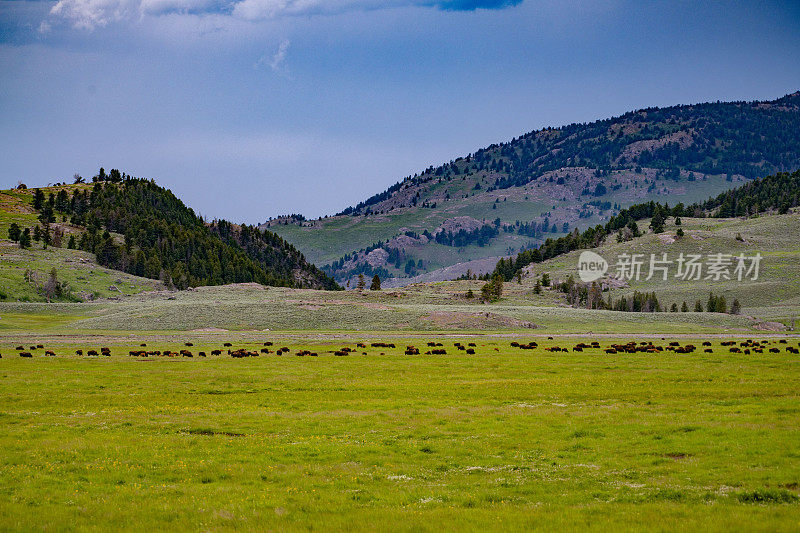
123 235
771 302
467 213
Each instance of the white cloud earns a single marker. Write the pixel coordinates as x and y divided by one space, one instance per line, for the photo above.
275 61
280 56
160 7
267 9
89 14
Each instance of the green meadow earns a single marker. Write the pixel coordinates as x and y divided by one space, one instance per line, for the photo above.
503 439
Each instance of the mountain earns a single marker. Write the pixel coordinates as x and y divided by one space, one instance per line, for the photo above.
135 226
511 196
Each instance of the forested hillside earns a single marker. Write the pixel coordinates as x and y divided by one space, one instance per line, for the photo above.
135 226
551 181
750 139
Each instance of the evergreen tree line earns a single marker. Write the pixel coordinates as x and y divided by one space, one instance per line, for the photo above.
589 295
780 191
535 229
480 236
164 239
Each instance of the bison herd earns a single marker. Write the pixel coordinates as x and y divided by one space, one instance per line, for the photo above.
632 347
745 347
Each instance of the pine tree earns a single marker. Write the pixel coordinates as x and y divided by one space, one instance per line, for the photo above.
684 307
62 201
38 199
493 289
657 223
711 305
14 232
361 282
698 307
25 238
736 307
376 283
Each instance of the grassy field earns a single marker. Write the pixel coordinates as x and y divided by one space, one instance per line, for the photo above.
84 277
436 307
503 439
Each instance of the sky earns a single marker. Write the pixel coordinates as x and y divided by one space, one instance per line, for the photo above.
248 109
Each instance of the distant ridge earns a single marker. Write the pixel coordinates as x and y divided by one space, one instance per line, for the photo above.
512 196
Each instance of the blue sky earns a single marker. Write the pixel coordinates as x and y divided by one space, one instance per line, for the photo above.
252 108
